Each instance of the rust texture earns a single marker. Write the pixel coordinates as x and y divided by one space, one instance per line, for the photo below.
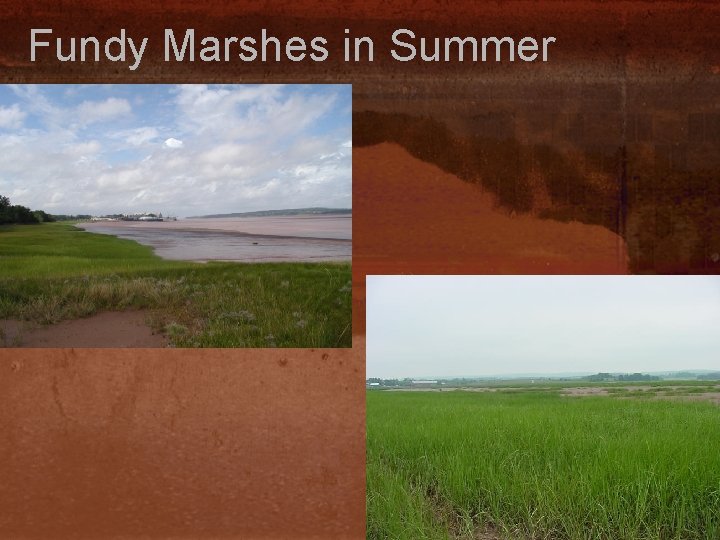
157 443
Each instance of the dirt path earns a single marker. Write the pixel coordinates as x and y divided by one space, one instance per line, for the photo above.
108 329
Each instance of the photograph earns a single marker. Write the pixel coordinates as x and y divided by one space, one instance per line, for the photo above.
175 215
563 407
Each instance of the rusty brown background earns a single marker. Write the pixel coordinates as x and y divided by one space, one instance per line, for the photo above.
154 443
270 444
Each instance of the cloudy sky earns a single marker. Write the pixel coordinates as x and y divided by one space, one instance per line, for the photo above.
445 326
181 150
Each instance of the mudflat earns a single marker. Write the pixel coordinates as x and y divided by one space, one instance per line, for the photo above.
337 226
108 329
253 239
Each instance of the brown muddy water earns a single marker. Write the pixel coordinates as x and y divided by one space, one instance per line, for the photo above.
256 239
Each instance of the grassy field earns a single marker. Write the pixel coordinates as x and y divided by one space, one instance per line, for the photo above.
539 465
53 271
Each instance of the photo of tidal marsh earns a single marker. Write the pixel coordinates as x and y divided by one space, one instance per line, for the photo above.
175 216
527 407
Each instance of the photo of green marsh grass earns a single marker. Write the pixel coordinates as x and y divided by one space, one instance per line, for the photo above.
51 272
528 464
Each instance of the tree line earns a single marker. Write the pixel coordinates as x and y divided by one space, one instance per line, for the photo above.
627 377
15 213
18 214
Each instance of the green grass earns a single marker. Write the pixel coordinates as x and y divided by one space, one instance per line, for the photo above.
542 466
54 271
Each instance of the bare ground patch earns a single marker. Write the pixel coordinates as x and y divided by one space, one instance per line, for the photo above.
108 329
713 397
585 391
674 392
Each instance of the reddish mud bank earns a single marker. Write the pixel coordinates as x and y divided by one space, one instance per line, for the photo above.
109 329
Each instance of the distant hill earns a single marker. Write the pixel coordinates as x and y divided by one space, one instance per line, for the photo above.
287 212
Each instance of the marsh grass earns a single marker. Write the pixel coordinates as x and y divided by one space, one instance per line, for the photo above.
53 272
538 465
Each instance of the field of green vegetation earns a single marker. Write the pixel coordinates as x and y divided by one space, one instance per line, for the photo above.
54 271
523 464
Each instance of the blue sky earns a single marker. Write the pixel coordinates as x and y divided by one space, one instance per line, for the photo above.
177 149
445 326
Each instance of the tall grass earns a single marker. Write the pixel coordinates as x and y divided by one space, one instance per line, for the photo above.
538 465
53 272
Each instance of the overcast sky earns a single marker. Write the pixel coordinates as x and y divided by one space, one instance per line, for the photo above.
181 150
446 326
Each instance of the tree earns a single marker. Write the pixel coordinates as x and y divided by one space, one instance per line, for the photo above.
22 214
4 210
43 217
15 213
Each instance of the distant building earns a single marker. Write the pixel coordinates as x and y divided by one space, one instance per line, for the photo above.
132 217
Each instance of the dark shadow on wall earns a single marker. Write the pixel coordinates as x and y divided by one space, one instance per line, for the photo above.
669 218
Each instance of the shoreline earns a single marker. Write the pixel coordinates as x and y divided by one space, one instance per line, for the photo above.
332 227
222 231
178 242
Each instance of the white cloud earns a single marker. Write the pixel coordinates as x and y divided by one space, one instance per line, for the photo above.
173 143
139 136
11 117
89 112
83 149
122 179
248 112
243 148
34 99
224 154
